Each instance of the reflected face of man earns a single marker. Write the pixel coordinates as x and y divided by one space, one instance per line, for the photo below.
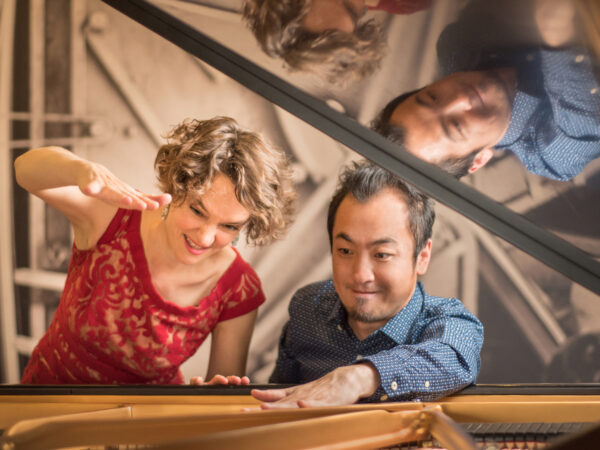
341 15
374 268
456 115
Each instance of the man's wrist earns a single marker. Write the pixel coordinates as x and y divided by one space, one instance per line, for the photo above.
367 378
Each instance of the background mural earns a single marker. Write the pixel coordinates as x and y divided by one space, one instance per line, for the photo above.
79 74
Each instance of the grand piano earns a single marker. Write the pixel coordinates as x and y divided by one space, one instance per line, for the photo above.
563 411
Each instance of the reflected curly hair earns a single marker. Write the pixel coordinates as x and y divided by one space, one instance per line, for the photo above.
333 55
197 150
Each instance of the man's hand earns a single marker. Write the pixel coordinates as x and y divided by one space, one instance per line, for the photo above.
220 379
555 20
343 386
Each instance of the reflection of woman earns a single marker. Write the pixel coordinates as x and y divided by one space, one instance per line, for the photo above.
325 37
328 38
146 285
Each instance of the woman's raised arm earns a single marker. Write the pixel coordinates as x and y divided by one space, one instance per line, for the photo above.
86 192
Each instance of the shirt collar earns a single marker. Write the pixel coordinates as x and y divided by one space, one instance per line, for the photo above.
337 316
396 328
399 326
524 106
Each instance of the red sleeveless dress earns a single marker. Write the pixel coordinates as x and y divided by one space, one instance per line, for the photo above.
112 327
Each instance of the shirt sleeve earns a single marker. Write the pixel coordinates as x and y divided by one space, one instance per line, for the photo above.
445 359
564 143
286 367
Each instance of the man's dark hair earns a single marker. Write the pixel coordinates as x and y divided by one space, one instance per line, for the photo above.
457 167
363 179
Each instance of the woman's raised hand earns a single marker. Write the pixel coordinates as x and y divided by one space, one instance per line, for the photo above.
220 379
97 181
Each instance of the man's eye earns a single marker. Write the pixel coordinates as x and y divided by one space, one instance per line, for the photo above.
432 96
382 255
343 251
458 127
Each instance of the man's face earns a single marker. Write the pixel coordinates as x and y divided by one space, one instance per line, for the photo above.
341 15
457 114
374 271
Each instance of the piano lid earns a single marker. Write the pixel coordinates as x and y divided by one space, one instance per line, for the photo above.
554 221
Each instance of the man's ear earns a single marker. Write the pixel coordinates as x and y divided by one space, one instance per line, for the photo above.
423 258
481 159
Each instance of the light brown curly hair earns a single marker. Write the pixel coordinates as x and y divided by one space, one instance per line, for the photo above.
333 55
197 150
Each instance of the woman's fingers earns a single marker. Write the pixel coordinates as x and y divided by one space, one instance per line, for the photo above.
103 185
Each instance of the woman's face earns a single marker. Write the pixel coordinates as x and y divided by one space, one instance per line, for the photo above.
205 223
341 15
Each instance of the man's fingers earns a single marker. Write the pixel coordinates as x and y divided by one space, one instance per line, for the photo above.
254 408
312 403
279 405
269 395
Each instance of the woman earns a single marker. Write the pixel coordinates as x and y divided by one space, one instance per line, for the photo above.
152 275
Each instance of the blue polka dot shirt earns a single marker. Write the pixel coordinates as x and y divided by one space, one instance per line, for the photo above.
556 134
430 349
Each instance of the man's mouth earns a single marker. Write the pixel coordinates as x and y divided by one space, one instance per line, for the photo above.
363 291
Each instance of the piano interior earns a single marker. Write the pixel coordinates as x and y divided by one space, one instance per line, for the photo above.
519 249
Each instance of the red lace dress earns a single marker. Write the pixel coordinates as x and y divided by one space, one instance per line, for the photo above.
112 327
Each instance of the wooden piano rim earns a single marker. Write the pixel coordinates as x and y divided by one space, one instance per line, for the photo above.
553 403
189 390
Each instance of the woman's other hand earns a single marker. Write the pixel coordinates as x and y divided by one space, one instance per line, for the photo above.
220 380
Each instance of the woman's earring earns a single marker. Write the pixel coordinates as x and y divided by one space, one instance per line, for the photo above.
165 211
235 240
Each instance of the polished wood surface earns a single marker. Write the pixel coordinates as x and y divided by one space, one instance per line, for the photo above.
229 418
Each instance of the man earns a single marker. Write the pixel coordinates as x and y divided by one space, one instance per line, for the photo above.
372 332
540 102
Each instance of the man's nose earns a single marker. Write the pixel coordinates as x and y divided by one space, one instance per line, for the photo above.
457 102
362 270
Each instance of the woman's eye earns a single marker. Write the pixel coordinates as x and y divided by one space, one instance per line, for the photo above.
232 227
197 211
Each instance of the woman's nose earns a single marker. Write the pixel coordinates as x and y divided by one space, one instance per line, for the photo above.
206 236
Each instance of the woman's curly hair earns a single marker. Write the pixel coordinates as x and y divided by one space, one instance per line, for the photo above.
197 150
333 55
